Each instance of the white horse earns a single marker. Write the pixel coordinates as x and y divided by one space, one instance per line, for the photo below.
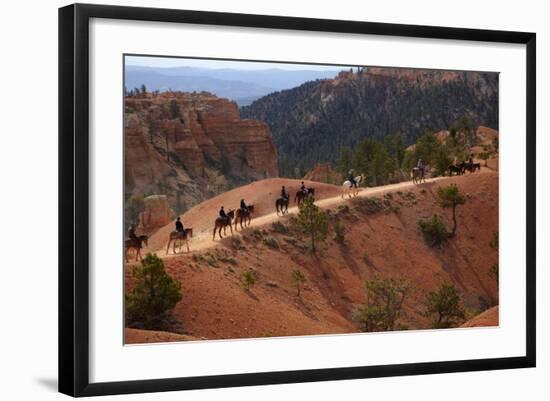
349 189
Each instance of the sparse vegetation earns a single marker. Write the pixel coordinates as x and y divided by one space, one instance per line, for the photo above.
445 307
385 298
279 227
271 242
249 279
154 294
339 232
368 205
434 230
298 279
450 197
312 221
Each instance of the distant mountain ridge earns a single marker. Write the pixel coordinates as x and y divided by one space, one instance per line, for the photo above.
243 86
312 122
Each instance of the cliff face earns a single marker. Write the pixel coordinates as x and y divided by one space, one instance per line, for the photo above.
312 122
191 146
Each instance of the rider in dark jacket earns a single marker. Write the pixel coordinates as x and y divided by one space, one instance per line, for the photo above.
284 193
243 206
222 213
179 226
351 179
132 232
303 188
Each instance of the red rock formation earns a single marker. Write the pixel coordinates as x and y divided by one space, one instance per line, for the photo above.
191 146
156 213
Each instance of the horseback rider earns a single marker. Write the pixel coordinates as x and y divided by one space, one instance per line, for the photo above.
244 207
471 160
284 193
222 213
351 179
179 226
303 188
132 233
420 165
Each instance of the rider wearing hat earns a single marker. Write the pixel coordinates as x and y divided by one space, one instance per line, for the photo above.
222 213
179 226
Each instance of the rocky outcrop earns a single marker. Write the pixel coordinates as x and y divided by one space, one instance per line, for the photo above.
156 213
191 146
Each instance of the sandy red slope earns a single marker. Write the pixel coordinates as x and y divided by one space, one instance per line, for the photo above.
215 305
484 319
262 194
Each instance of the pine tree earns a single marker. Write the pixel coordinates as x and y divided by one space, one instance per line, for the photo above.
450 196
445 306
154 293
312 221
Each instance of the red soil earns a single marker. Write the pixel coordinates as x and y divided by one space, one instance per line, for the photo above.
215 305
484 319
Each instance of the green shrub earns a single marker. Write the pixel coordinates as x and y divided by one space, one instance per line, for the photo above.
385 300
445 307
434 230
368 205
154 293
279 227
298 279
249 279
271 242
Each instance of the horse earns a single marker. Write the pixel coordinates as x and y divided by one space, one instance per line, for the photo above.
472 167
281 205
458 169
418 175
223 222
177 237
300 195
243 215
347 186
136 244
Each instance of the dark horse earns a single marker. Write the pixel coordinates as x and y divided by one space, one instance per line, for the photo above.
458 169
135 243
418 175
300 195
177 237
472 167
244 215
223 222
281 205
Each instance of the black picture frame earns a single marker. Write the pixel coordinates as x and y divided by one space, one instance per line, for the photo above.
74 198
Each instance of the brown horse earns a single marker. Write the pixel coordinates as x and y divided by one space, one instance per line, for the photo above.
136 244
281 205
223 222
244 215
300 195
177 237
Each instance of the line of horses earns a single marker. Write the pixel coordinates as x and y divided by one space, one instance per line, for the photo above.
462 167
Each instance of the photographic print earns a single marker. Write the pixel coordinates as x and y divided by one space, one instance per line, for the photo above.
273 199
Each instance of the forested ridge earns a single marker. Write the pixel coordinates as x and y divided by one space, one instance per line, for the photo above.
313 122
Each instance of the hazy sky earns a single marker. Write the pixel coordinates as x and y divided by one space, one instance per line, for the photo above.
217 64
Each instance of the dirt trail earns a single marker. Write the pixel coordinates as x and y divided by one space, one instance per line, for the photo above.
203 239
